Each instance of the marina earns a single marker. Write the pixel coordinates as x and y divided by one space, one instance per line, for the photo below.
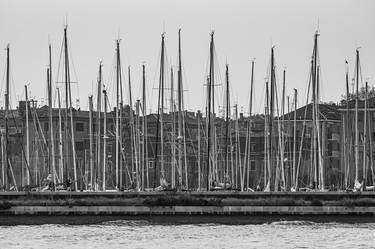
117 158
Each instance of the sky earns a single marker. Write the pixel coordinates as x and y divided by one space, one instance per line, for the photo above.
244 30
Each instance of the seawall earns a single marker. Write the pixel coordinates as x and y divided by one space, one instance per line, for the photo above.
185 203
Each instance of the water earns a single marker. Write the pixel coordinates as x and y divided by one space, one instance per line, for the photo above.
146 234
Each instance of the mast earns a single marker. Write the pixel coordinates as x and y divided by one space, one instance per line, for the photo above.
249 125
356 121
238 148
61 155
199 151
91 154
27 136
347 129
104 140
6 181
137 148
132 131
98 127
282 131
145 150
52 139
294 176
314 114
271 113
118 79
226 124
179 99
159 122
210 84
173 135
364 143
69 109
268 145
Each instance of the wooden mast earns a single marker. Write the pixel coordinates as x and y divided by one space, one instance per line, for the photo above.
271 113
137 147
52 139
268 145
249 126
118 76
347 130
91 134
210 84
173 134
199 151
61 155
27 135
364 142
159 122
69 108
6 142
132 131
98 128
294 176
104 140
179 99
226 123
356 182
144 108
162 78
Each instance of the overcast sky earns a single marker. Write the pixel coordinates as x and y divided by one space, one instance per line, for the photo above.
243 30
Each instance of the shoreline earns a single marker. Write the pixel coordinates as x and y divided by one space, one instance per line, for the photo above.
199 204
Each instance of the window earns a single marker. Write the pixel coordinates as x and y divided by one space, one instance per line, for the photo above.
252 147
45 127
373 136
329 149
329 133
79 126
80 146
252 166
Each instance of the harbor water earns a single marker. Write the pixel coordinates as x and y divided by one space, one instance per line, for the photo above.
149 234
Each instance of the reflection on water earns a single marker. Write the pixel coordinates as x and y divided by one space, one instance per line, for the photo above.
143 234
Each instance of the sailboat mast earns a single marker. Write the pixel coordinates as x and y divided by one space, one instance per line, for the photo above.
98 127
199 150
294 177
179 99
226 124
52 139
91 134
118 75
132 131
104 140
271 112
356 119
7 159
365 142
67 82
173 134
249 126
61 155
159 121
27 135
145 149
210 82
347 129
162 78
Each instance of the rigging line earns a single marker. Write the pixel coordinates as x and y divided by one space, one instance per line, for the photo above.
74 69
58 70
22 147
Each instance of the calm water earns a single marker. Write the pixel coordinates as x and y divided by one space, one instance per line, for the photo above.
143 234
